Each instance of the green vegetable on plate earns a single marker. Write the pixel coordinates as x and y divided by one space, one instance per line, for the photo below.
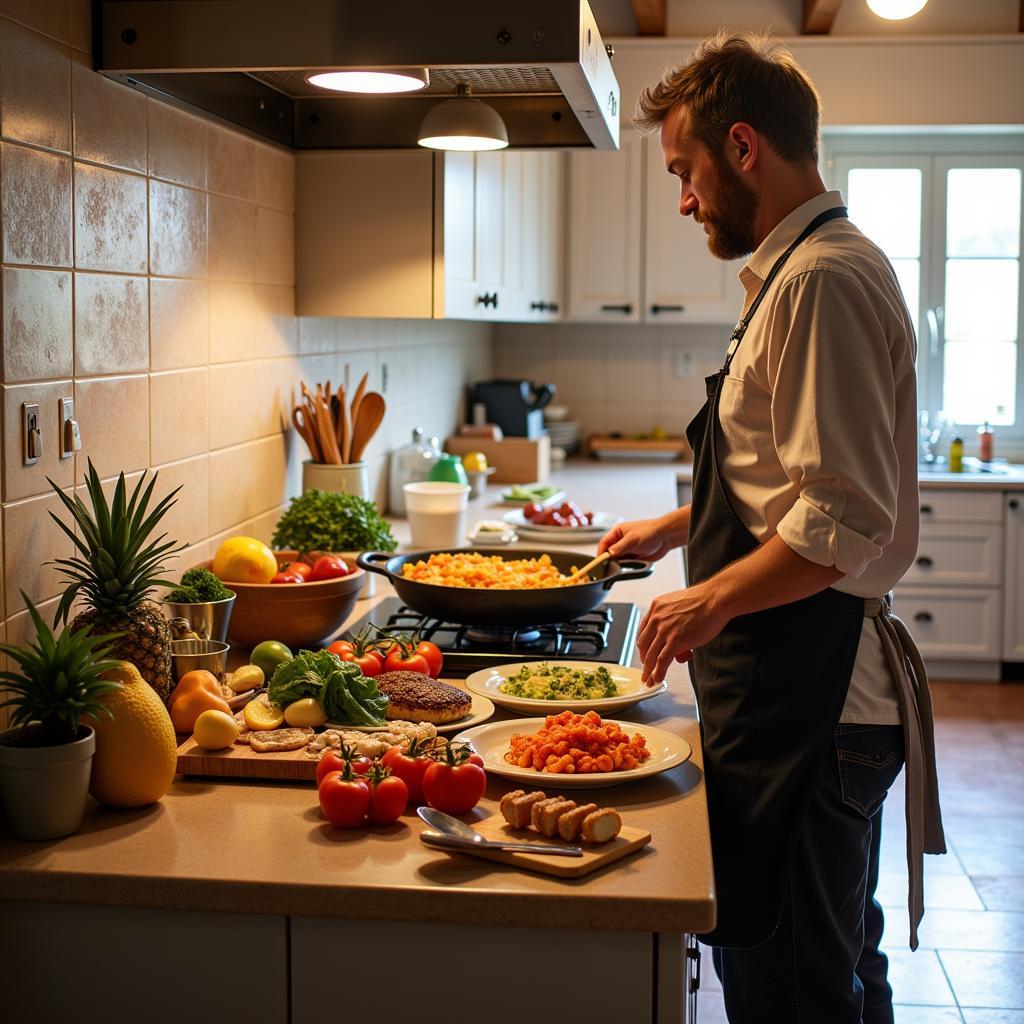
542 681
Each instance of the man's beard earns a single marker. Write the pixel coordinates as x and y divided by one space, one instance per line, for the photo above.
731 220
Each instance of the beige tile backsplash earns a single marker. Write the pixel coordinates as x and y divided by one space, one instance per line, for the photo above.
148 272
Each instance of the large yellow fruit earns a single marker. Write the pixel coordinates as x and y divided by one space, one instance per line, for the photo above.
136 750
244 560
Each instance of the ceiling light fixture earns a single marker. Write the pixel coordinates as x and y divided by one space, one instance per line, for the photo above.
371 80
463 124
896 10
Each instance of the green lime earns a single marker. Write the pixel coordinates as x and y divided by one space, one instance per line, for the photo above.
268 655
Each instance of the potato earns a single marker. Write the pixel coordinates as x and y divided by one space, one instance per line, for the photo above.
248 677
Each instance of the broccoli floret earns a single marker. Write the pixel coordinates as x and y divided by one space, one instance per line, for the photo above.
198 586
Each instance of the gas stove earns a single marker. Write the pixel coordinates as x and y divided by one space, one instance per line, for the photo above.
606 634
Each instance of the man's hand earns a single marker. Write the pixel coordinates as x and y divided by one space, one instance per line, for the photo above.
649 539
674 625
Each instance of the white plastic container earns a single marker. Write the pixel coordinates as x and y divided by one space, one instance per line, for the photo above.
437 513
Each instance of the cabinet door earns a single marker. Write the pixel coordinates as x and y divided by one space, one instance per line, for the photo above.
683 282
1013 595
605 209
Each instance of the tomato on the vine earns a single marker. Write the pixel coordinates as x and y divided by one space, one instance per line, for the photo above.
331 761
456 783
410 766
388 796
344 801
432 653
370 663
401 659
340 647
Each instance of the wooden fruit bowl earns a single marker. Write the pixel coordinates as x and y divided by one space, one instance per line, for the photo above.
296 614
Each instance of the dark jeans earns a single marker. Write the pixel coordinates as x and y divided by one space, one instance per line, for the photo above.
823 964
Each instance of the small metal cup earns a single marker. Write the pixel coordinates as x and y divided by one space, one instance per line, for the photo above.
208 619
188 655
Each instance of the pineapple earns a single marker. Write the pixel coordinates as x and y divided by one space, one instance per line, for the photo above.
115 571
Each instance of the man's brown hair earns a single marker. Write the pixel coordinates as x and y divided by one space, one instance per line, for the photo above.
739 77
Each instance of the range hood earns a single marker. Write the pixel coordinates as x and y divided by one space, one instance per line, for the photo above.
540 64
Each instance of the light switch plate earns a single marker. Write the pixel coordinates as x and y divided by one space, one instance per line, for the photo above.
68 438
31 434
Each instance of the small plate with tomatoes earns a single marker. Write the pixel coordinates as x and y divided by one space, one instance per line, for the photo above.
565 522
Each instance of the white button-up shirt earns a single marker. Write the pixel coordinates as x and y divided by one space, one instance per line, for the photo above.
819 421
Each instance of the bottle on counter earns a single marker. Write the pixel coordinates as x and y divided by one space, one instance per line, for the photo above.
986 442
956 455
410 464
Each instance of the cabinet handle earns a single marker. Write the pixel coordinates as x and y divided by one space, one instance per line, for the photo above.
624 308
540 307
552 307
926 510
923 617
925 562
1014 503
488 299
667 309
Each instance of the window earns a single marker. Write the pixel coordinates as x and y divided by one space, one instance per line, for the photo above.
946 210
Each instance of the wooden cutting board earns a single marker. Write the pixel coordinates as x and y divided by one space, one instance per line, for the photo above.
240 761
628 841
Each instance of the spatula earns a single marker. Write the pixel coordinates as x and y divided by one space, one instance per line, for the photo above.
368 419
581 574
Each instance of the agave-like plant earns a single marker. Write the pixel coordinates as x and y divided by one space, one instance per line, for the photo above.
60 681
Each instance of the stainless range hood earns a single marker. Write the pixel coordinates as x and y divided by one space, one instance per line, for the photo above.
540 63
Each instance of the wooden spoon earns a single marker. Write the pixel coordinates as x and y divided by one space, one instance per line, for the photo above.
368 419
344 425
580 574
328 442
358 397
300 417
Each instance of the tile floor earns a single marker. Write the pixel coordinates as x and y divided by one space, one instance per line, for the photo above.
969 968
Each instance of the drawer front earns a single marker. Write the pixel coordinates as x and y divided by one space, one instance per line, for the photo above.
958 554
952 623
961 507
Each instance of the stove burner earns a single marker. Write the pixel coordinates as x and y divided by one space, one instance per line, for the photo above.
482 636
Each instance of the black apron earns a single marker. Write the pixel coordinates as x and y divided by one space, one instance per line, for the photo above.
770 689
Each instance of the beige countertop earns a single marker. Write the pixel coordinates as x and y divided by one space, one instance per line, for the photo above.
226 845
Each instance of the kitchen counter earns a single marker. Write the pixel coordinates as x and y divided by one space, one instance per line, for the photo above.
263 848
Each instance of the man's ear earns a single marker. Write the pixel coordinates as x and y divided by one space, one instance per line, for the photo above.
742 143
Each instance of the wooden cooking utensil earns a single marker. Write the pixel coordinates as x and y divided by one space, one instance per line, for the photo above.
581 574
300 417
328 442
371 412
358 397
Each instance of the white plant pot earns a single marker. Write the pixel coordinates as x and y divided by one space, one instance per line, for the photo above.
44 788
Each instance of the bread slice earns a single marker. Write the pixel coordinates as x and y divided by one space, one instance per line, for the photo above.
537 809
522 807
570 824
505 806
550 815
601 826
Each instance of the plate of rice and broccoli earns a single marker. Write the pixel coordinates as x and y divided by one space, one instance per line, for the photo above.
547 687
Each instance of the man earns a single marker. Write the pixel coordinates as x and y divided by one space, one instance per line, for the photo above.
804 516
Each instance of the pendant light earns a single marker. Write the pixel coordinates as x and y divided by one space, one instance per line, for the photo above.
896 10
463 124
371 80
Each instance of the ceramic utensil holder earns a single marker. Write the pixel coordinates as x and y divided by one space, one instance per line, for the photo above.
347 479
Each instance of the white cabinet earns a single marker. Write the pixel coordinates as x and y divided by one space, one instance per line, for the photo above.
632 257
1013 595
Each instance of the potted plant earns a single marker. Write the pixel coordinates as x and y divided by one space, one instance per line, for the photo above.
46 757
334 523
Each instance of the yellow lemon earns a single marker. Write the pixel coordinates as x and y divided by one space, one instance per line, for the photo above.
244 560
259 715
305 714
136 750
474 462
215 730
245 678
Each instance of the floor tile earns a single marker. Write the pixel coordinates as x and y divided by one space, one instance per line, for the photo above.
941 892
992 857
975 1016
1005 892
711 1009
994 931
927 1015
986 979
918 978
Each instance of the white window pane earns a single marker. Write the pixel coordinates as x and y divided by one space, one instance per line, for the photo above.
983 211
979 382
908 273
885 203
981 300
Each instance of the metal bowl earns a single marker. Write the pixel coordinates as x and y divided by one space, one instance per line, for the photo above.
207 619
189 655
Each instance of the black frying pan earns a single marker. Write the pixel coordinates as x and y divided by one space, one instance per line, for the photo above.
508 608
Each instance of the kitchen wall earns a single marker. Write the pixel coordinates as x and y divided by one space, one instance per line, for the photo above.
148 272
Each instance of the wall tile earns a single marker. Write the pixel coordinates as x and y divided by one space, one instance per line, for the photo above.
35 89
178 415
51 17
23 481
233 319
110 220
194 554
275 247
20 629
109 120
276 328
274 180
111 324
232 246
230 162
177 231
177 145
36 325
113 414
188 521
32 538
245 482
317 334
179 323
629 372
36 206
81 25
227 382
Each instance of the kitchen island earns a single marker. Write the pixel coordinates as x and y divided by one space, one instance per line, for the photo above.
236 897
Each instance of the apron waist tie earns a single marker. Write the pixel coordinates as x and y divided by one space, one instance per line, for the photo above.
924 818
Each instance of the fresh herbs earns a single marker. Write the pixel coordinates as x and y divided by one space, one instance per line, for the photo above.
329 521
346 695
199 586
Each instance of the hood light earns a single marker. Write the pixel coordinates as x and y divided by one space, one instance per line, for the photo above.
896 10
370 81
463 124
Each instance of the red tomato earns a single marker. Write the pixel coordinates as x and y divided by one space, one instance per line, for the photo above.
531 511
362 765
344 801
410 766
287 577
388 797
332 761
454 789
299 569
370 664
435 659
398 661
328 567
339 647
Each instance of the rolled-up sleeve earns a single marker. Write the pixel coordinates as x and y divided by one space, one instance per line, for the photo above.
833 413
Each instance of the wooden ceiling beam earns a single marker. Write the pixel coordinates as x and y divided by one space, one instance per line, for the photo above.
650 17
819 16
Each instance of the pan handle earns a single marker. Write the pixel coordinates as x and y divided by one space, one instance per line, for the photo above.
630 569
375 561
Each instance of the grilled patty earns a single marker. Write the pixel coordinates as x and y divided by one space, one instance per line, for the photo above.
416 697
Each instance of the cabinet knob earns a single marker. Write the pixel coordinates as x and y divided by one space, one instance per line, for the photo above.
488 299
553 307
656 308
926 510
539 307
623 308
925 562
1014 503
923 617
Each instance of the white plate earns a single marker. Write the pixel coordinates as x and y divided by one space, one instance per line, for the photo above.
602 523
479 711
492 741
487 681
557 496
